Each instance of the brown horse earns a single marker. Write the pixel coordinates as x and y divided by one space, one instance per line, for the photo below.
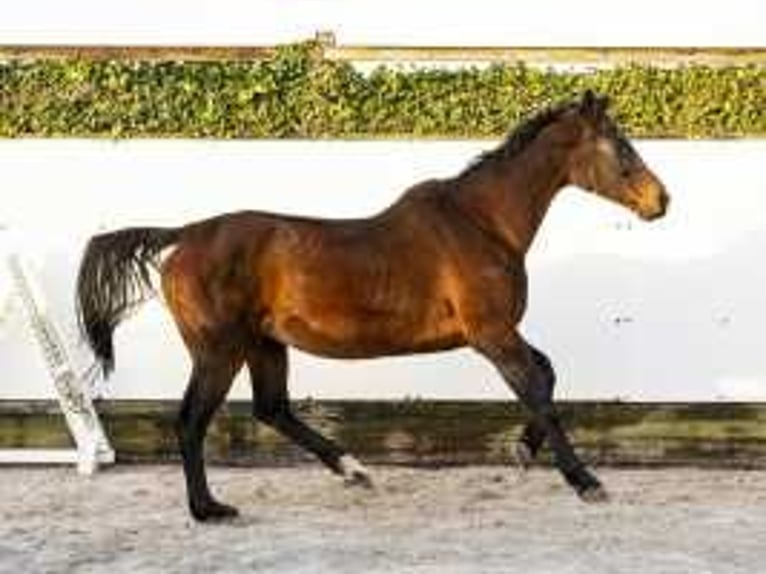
443 267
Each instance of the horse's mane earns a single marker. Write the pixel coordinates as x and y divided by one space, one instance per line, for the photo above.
526 131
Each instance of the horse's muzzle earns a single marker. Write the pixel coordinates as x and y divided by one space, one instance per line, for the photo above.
659 209
650 196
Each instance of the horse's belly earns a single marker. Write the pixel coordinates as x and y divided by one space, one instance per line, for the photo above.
368 335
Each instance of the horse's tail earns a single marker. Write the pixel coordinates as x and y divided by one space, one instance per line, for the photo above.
114 277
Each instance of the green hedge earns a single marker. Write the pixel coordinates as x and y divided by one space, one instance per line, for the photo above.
298 94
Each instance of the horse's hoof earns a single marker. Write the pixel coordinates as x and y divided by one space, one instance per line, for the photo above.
213 511
594 494
359 480
354 473
523 456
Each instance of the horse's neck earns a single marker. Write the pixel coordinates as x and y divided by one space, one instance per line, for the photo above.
510 200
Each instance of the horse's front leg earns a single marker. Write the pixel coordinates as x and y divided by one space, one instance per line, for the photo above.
533 435
515 360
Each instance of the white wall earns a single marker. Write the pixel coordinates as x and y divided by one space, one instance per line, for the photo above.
661 311
479 22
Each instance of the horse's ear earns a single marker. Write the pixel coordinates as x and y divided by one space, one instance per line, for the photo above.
592 105
588 100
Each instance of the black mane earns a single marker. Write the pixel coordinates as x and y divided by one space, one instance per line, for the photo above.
526 131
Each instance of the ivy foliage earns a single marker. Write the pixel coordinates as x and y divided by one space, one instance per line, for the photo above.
298 94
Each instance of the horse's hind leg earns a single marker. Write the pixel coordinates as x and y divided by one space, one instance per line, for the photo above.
211 378
533 435
267 361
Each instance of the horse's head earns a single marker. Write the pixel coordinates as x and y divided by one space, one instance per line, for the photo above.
603 161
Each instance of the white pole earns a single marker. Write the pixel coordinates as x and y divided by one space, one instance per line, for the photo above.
73 391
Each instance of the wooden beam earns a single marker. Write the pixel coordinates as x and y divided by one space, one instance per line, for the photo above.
29 52
423 432
604 56
598 57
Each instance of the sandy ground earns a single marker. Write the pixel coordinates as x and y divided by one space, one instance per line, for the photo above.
474 519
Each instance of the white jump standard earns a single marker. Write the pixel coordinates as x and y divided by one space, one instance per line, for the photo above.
73 390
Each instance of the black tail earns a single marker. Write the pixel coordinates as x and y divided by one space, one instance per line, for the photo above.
114 277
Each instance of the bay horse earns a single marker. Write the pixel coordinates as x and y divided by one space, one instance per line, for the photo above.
441 268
